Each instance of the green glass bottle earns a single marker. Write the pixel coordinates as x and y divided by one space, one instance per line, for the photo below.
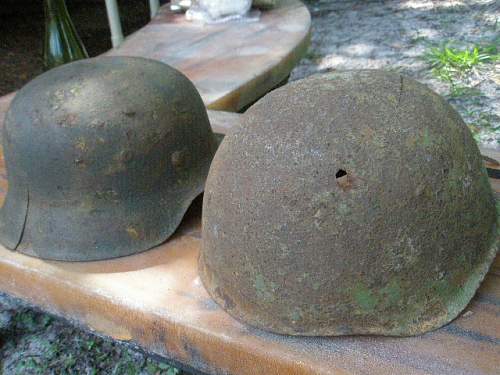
62 43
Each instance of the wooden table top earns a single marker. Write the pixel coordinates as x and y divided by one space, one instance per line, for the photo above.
231 64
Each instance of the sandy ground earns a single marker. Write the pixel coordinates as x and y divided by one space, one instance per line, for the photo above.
346 35
396 35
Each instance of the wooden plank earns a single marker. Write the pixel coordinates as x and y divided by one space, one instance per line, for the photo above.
222 122
492 154
231 64
491 159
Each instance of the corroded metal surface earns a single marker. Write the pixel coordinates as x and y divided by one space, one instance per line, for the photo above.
103 156
348 203
255 56
155 300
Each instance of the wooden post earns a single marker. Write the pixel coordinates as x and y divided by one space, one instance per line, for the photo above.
154 6
114 23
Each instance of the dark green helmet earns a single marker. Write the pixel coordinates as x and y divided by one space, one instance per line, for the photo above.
348 203
103 158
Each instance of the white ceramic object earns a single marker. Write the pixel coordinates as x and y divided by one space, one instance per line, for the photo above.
179 6
218 10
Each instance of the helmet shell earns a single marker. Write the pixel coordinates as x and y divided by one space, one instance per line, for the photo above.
348 203
103 158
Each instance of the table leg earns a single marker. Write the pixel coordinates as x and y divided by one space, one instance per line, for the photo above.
114 23
154 6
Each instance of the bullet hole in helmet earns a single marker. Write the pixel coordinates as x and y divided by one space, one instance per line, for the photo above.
344 181
340 173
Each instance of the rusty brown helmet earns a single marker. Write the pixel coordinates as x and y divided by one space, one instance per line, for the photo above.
103 158
348 203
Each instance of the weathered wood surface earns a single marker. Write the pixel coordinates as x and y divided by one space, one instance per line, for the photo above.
222 122
231 64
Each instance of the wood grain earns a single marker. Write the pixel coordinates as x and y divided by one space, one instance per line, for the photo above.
231 64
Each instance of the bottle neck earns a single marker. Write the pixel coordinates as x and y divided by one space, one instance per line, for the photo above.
55 8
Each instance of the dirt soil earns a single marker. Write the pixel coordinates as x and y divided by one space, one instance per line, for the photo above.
347 34
397 35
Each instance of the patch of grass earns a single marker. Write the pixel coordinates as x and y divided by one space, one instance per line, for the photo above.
458 91
154 368
29 365
36 343
450 64
30 321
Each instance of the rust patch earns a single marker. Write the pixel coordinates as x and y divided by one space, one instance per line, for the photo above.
134 233
400 254
344 180
106 170
68 120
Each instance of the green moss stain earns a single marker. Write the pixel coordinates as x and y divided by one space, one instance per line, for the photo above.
369 300
343 209
443 288
454 180
259 283
392 99
392 292
263 289
303 277
364 297
296 315
426 138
